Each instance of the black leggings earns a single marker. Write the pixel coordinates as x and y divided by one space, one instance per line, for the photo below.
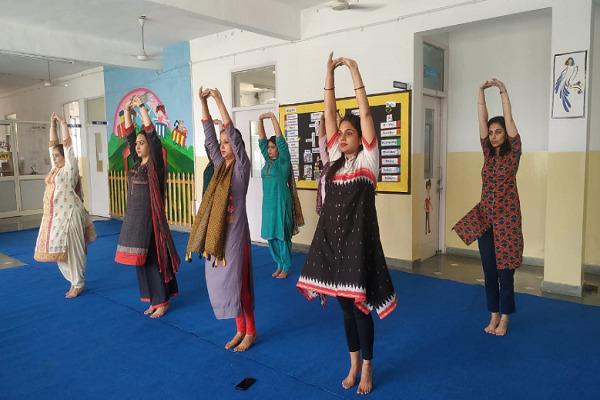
360 331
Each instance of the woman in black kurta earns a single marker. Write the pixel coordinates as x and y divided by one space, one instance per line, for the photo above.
145 240
346 258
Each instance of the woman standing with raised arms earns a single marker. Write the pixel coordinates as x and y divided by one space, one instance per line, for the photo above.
66 228
221 231
346 258
145 240
495 222
277 219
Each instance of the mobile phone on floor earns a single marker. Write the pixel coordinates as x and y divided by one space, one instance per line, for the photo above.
245 384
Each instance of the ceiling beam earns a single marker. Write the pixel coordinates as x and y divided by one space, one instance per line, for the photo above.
265 17
85 48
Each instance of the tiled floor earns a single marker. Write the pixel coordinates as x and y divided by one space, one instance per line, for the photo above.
528 279
20 223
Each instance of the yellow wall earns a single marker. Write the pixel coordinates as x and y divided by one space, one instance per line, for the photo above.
564 217
464 191
592 211
396 213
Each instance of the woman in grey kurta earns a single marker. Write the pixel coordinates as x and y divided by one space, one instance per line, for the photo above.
221 231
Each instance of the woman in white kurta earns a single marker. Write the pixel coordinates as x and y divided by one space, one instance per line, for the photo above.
66 228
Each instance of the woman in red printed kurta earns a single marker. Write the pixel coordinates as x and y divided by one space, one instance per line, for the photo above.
496 220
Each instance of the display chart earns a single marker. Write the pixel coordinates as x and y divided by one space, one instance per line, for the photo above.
391 115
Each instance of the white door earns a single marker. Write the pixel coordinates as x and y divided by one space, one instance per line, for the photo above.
98 167
9 185
246 121
432 187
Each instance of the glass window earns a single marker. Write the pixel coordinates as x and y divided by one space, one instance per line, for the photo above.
6 151
254 86
429 138
95 110
33 155
433 67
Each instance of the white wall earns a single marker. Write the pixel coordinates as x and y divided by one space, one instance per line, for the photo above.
36 103
515 50
300 75
383 42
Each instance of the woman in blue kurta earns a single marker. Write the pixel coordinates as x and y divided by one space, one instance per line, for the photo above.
277 217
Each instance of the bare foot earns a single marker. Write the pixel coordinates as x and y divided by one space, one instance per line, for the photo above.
494 321
149 310
355 366
246 343
160 311
68 291
74 292
235 341
277 272
350 380
282 275
366 378
502 328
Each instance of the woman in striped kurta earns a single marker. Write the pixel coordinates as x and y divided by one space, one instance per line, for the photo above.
66 227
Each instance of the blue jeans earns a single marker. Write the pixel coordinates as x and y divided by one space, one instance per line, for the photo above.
499 283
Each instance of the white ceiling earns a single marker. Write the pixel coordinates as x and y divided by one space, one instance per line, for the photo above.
109 20
301 4
17 72
106 32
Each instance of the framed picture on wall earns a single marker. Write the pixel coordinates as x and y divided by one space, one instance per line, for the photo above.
568 86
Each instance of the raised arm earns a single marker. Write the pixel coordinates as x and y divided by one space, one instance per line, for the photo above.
261 125
52 135
64 132
262 136
210 135
366 119
130 134
70 160
216 94
153 139
282 146
331 126
235 137
482 111
511 127
127 114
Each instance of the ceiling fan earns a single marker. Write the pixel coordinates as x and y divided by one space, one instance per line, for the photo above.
49 83
342 5
143 56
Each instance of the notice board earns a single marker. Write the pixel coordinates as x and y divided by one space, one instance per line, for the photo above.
391 116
